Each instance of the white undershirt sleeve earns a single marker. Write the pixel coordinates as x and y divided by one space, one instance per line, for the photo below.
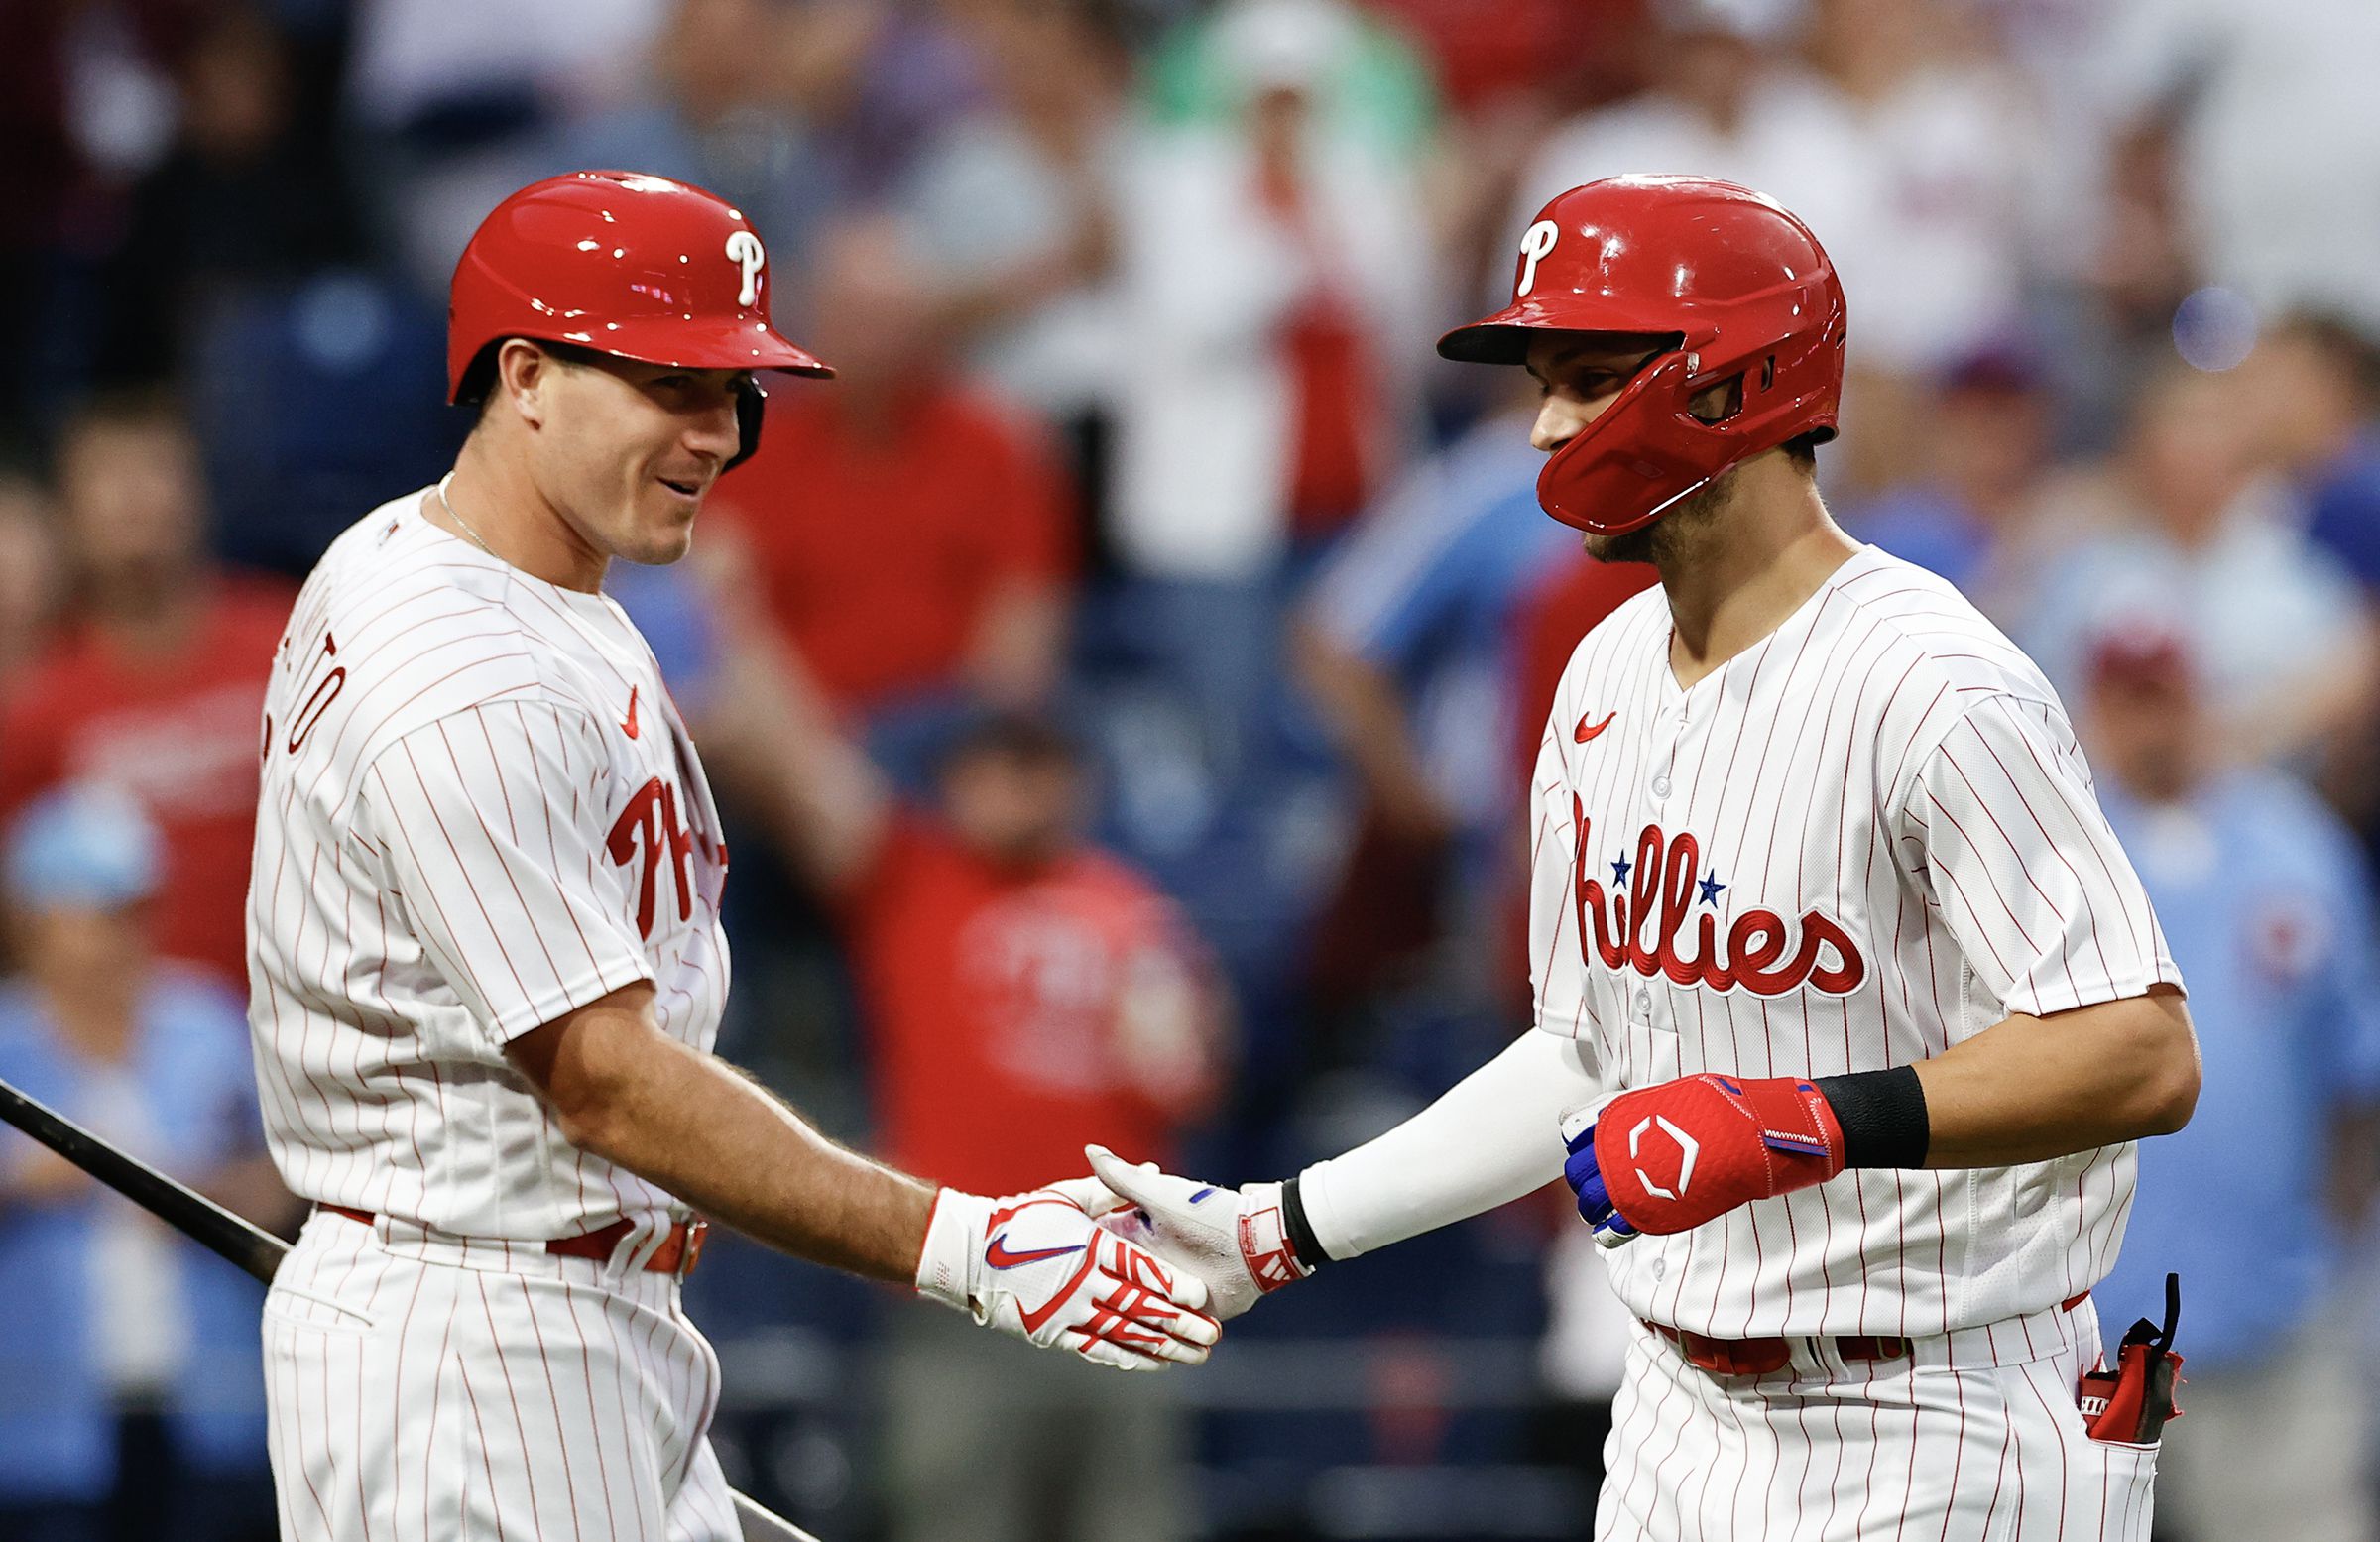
1495 1136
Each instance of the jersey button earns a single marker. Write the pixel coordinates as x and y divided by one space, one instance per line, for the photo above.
1660 787
1645 1002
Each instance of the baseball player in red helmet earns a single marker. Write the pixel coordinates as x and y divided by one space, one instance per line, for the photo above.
485 957
1850 1007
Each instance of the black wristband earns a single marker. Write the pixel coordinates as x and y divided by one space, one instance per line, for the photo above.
1882 1114
1302 1239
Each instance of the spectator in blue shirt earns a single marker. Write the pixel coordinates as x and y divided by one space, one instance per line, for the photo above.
1403 637
1428 642
2188 522
2267 905
2314 382
1405 645
131 1386
2313 386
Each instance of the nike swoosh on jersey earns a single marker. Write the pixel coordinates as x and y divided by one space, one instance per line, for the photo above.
997 1254
1583 733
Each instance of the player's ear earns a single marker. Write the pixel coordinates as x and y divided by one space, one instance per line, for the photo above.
523 374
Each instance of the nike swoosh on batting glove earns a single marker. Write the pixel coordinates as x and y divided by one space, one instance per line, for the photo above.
1037 1266
1667 1158
1234 1239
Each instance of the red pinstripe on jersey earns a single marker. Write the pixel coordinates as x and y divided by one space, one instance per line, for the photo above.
1889 763
434 875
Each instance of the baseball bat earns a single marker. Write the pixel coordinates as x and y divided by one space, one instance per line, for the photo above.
234 1238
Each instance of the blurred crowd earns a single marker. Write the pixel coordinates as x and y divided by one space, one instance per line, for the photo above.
1119 680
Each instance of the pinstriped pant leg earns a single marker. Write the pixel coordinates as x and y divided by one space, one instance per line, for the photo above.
414 1400
1668 1436
1908 1450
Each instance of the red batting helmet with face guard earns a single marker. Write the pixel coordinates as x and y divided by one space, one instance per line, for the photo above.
635 266
1741 290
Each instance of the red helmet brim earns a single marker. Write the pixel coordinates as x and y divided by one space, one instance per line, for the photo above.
1504 337
728 345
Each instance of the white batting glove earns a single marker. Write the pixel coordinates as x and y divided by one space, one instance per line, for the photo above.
1234 1239
1037 1265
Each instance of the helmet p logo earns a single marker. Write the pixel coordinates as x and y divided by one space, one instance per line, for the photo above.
744 249
1534 249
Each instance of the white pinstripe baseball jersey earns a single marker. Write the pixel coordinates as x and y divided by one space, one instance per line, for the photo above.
1861 840
480 811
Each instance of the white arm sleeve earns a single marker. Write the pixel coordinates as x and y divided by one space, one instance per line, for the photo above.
1495 1135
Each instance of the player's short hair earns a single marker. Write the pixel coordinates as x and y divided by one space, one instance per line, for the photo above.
479 379
1802 449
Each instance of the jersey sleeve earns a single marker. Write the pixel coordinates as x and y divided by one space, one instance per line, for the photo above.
490 825
2001 828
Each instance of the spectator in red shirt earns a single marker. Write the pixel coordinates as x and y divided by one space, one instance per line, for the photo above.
908 534
1025 992
157 681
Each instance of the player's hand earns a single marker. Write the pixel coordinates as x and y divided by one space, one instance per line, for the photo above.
1669 1157
1037 1265
1231 1238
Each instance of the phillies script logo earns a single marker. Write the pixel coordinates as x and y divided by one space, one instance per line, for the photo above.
650 825
1761 953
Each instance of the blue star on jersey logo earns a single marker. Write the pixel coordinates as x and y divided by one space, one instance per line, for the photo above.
1620 871
1710 887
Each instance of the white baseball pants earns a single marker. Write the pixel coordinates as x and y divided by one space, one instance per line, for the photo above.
1972 1436
434 1389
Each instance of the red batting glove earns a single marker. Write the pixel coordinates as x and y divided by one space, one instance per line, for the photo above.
1670 1157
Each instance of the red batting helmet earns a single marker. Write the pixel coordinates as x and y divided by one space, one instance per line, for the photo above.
622 263
1742 290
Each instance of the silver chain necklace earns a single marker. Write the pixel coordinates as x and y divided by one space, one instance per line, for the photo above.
448 504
